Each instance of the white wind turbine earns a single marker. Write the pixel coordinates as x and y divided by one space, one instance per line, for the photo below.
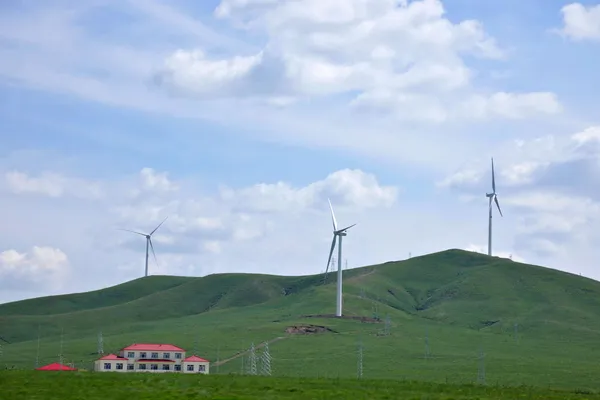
492 196
148 242
337 234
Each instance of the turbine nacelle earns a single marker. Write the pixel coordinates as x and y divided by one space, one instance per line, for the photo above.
149 245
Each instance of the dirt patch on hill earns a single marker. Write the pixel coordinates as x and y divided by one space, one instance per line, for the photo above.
352 317
307 329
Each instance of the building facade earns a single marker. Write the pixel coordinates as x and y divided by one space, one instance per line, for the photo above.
152 358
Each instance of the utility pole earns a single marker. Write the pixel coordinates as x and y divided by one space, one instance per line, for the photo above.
359 369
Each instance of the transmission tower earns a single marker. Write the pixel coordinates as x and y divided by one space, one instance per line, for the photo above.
100 343
362 293
252 360
481 369
37 353
265 361
60 356
427 351
218 357
409 255
359 367
375 309
346 264
242 370
388 325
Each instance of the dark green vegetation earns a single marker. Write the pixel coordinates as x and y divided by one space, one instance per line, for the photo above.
535 326
92 386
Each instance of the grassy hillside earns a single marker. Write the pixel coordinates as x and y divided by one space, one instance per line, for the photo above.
534 325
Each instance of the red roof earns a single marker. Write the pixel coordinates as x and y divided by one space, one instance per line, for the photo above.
113 357
195 359
155 360
153 347
56 367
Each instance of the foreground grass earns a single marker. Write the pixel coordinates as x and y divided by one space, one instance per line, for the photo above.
90 386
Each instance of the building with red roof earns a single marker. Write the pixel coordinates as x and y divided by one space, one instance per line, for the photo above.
55 367
144 357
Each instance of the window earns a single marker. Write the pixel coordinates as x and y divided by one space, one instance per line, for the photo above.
107 365
190 367
142 366
177 367
131 354
166 367
143 354
154 366
177 355
154 355
119 365
130 367
201 368
167 355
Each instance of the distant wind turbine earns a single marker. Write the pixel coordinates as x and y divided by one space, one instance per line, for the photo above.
148 243
492 196
337 233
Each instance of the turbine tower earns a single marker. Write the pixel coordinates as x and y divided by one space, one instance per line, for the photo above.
493 197
337 234
148 242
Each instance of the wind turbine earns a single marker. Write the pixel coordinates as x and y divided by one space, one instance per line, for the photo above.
148 242
492 196
337 234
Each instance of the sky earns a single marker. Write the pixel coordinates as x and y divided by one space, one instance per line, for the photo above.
238 119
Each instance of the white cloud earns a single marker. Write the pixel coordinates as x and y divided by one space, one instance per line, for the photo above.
42 266
346 188
51 184
156 181
581 22
404 59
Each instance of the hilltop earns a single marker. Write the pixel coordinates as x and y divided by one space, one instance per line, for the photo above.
453 303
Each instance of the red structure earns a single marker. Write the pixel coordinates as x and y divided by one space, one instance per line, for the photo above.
55 367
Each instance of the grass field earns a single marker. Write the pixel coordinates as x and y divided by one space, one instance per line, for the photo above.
91 386
535 326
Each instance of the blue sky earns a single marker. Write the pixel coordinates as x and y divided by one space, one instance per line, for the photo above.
239 120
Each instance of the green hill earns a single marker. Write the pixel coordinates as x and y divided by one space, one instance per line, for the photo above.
535 325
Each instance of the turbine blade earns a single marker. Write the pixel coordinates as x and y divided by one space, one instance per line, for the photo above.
498 205
329 259
127 230
346 228
153 253
332 216
493 177
158 226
